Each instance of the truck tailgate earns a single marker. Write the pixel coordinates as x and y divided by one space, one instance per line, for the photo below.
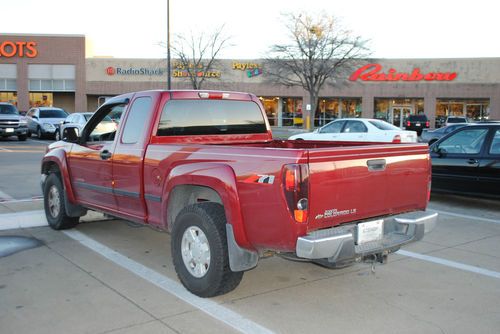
354 183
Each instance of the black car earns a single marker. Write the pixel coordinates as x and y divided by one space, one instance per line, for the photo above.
467 161
417 123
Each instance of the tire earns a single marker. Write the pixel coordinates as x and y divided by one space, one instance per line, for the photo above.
28 134
432 141
22 137
55 210
208 275
39 133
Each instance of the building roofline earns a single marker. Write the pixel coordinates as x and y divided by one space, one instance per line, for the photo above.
42 35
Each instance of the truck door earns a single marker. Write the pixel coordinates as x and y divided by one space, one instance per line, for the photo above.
128 157
90 162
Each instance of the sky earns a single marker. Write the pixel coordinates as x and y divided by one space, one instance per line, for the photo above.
134 29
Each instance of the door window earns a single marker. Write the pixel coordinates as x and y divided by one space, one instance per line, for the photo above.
468 141
334 127
354 127
136 120
495 143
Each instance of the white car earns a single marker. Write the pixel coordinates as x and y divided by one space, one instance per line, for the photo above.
359 129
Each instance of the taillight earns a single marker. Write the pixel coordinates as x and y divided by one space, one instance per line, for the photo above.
408 124
396 139
296 189
427 124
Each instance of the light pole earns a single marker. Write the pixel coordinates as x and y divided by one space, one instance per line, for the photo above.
169 83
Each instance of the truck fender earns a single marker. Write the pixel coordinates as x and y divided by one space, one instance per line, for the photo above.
221 179
55 161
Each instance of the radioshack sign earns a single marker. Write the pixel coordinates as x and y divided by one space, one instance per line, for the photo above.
374 72
10 49
135 71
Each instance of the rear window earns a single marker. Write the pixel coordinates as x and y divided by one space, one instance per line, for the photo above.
456 120
53 113
210 117
416 118
8 109
383 125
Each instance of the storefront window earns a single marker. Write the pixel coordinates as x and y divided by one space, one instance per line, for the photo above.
10 97
473 109
41 100
291 114
271 107
332 108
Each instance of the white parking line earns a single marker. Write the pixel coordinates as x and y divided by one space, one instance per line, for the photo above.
452 264
5 196
473 218
208 306
41 142
24 219
4 149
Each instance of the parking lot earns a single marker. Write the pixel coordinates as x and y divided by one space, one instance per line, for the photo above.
112 276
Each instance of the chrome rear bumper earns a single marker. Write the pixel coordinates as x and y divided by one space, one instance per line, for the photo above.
338 244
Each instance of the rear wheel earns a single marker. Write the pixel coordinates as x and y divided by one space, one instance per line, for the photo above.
22 137
432 141
55 210
199 250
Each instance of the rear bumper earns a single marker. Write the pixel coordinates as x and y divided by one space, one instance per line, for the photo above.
338 244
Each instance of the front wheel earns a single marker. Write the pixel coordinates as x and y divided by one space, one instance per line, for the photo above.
199 250
55 210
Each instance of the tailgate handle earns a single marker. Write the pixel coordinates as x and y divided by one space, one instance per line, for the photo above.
376 165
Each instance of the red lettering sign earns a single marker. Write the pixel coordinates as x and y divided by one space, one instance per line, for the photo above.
9 49
373 72
110 70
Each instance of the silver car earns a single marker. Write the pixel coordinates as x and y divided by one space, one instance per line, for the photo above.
433 135
79 120
45 121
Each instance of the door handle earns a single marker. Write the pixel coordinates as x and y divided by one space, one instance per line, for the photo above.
105 155
376 165
472 161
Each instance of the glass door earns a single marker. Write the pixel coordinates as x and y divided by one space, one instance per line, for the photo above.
398 115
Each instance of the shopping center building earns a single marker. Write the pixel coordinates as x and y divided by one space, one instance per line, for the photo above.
51 70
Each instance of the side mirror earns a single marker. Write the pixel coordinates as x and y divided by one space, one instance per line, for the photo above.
439 151
70 134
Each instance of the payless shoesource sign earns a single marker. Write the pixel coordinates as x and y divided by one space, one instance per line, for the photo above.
375 72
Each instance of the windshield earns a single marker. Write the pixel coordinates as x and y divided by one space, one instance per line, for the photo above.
383 125
53 113
8 109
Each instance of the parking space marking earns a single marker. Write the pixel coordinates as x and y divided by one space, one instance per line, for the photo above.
4 149
5 196
488 220
219 312
452 264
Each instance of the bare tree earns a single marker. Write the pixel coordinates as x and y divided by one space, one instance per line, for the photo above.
319 52
196 55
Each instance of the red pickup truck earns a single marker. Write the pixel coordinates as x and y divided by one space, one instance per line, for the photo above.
204 166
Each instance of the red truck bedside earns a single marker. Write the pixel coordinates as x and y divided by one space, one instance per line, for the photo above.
203 165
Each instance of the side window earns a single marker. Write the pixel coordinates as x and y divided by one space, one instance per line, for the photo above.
136 120
468 141
495 143
105 130
354 127
334 127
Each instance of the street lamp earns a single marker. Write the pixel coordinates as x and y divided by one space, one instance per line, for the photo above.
169 83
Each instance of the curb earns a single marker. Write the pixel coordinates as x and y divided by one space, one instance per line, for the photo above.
36 218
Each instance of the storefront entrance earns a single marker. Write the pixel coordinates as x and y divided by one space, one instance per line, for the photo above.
399 114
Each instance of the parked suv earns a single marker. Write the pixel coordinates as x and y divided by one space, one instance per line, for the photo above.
11 123
417 123
45 121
